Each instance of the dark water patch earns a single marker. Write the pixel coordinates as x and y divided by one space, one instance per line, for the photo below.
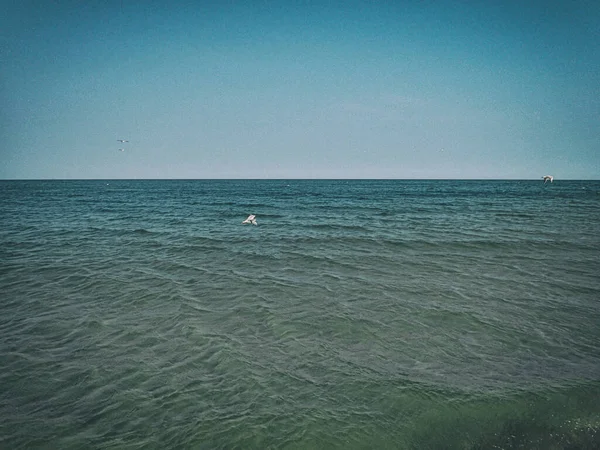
338 226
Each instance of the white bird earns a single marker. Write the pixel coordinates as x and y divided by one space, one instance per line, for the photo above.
121 140
548 178
251 219
121 149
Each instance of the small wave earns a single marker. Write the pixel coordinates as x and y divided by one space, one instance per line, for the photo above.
142 231
346 227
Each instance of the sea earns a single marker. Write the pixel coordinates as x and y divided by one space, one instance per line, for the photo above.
356 314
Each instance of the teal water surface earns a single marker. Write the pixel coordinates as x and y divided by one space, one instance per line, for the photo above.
355 315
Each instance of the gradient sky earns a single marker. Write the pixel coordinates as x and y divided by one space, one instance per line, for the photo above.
300 89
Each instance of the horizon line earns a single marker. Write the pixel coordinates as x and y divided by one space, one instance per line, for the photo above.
293 178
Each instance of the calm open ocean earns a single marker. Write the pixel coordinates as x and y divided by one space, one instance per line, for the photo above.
356 315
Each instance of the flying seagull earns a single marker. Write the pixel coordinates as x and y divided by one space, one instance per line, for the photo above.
121 149
122 140
548 178
251 219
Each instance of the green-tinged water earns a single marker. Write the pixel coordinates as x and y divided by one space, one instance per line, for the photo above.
355 315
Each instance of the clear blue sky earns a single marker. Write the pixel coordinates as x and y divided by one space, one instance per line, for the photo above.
300 89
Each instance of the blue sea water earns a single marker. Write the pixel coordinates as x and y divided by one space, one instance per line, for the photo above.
358 314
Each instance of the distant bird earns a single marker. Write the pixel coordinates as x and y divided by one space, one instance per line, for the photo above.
121 140
547 178
251 219
121 149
